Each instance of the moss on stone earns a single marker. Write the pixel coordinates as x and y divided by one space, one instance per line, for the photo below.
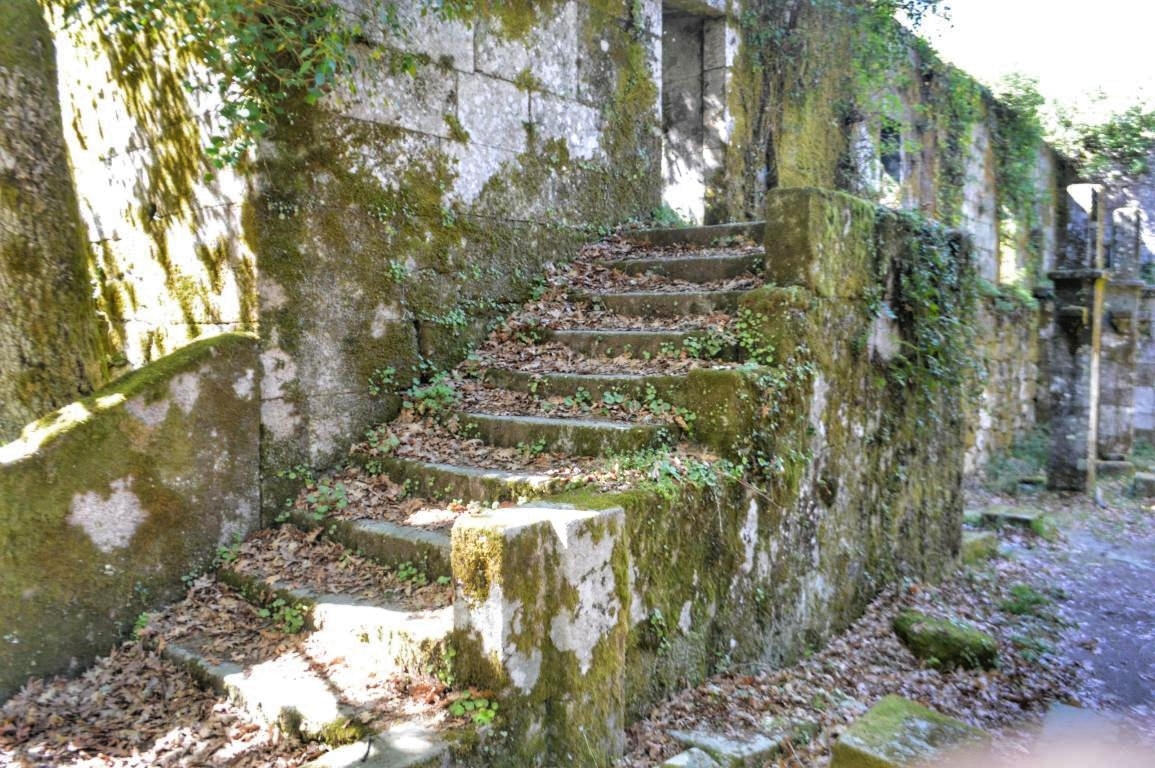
897 732
946 643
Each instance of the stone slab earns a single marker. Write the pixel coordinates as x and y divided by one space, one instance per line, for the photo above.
1143 485
691 758
899 733
730 752
1000 515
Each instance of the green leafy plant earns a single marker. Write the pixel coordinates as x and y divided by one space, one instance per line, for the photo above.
382 381
433 398
480 709
326 497
289 617
1024 600
409 573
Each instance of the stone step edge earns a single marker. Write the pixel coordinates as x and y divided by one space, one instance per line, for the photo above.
710 234
406 746
667 386
384 542
439 480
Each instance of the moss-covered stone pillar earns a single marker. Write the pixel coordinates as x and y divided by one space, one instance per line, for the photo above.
541 618
51 346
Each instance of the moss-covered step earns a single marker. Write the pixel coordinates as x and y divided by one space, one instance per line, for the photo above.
641 387
664 303
452 481
713 234
978 546
946 643
898 733
640 343
704 267
1143 485
408 745
580 437
386 542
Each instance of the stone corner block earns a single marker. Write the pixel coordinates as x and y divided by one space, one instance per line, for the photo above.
691 758
897 733
543 596
820 239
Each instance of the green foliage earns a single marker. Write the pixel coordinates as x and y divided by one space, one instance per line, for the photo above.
289 617
478 708
1024 600
326 497
1117 149
382 381
1018 139
433 398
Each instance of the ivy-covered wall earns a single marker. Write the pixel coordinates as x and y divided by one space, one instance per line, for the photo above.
839 96
408 209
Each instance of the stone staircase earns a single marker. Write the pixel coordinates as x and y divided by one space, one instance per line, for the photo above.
339 625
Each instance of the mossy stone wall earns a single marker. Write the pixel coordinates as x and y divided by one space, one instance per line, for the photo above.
107 504
52 345
393 221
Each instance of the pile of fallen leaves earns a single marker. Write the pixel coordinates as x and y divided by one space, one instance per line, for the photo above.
134 708
830 689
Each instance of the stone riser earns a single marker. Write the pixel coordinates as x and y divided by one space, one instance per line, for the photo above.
695 269
639 344
654 304
573 436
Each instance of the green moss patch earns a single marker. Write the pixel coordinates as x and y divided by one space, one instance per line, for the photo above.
946 643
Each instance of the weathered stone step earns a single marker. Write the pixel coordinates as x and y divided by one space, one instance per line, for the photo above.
665 303
388 543
283 691
609 343
452 481
386 638
409 745
581 437
705 267
670 388
711 234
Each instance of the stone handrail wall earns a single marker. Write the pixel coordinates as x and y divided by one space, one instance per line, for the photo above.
107 504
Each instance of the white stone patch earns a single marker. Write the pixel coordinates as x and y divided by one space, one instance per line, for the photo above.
549 53
749 536
382 316
686 618
244 386
280 417
577 124
151 414
110 522
493 111
279 369
586 566
818 405
272 295
417 102
476 165
185 389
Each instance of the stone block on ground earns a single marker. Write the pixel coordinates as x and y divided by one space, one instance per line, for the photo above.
1001 515
946 643
1115 469
897 733
730 751
1143 485
978 546
691 758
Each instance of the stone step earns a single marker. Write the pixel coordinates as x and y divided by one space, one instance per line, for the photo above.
898 733
664 303
283 691
707 267
580 437
667 387
388 543
711 234
386 638
452 481
609 343
409 745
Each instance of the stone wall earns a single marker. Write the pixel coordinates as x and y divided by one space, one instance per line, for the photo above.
107 503
168 260
408 211
53 348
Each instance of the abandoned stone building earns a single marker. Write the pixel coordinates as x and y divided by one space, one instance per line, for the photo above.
176 339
